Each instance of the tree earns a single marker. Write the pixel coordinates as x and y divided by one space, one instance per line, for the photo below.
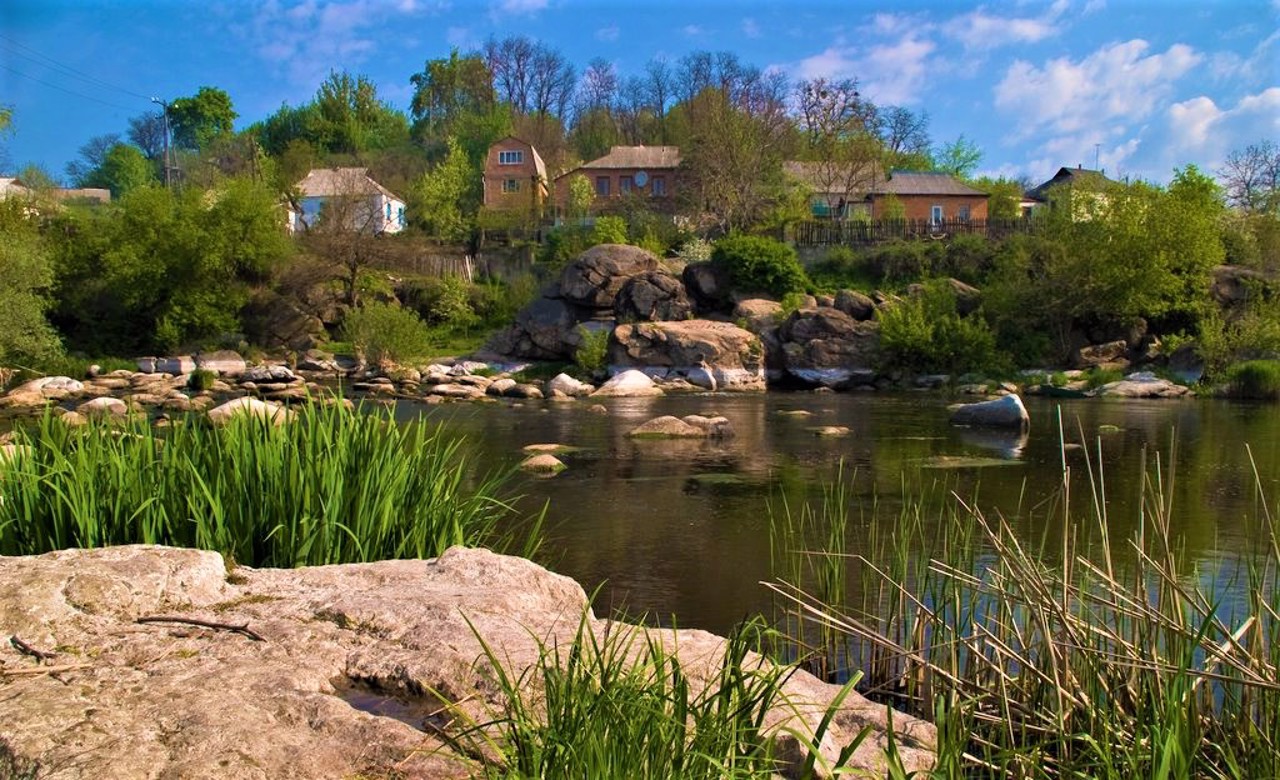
447 90
6 118
350 119
958 158
538 83
1251 177
26 275
840 146
581 196
905 136
444 198
123 169
197 120
92 155
1006 196
147 132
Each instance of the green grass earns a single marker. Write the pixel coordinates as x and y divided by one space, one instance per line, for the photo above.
1064 657
1255 379
619 703
332 486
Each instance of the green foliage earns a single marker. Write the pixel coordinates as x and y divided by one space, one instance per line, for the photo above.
898 262
924 334
609 230
563 244
443 301
201 379
1256 379
123 169
329 486
843 268
958 158
695 250
447 92
581 196
593 349
164 270
497 301
444 199
195 121
1006 197
26 274
382 333
756 264
891 207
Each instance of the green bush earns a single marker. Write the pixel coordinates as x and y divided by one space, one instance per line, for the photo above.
969 258
563 244
496 301
925 334
905 261
201 379
592 351
843 268
442 301
381 333
1255 379
609 230
757 264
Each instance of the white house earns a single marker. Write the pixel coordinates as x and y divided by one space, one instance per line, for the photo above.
349 195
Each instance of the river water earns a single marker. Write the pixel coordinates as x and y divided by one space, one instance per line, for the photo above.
678 530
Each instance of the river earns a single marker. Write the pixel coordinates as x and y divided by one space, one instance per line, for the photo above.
678 530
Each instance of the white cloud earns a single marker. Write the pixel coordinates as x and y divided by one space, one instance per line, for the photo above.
751 28
518 7
1118 84
980 30
1201 128
691 30
891 73
1093 6
609 33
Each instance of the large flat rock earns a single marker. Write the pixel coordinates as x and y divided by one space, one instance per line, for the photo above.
174 700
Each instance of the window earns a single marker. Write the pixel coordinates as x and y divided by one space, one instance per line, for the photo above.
964 213
602 186
510 185
659 185
511 158
625 184
935 214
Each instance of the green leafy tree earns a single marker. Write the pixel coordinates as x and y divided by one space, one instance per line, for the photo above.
756 264
124 169
385 334
581 196
349 118
26 276
959 158
444 199
455 97
1006 196
197 120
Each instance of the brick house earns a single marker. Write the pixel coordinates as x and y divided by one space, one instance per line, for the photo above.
932 197
515 177
647 171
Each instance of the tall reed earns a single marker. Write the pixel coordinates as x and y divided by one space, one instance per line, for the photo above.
1072 660
331 486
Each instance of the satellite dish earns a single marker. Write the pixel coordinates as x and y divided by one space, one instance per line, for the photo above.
641 178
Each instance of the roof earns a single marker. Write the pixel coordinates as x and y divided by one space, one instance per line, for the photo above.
833 178
1069 177
638 157
932 183
330 182
11 186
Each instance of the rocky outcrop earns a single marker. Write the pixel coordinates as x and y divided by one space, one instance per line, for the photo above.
707 354
691 426
628 384
594 279
1004 412
828 348
1143 384
857 305
651 297
322 672
708 285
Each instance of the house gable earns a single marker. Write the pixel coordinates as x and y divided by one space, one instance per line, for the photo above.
646 171
367 206
515 177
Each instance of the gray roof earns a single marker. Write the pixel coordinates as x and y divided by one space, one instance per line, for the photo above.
329 182
638 157
1069 177
917 183
834 178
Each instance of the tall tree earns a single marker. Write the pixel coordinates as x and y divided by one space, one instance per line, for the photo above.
349 118
93 153
595 126
444 199
1251 177
905 135
959 158
197 120
447 90
146 131
26 277
536 81
840 144
124 168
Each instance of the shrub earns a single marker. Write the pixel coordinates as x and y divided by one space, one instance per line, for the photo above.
843 268
497 301
201 379
695 250
609 230
443 301
905 261
757 264
969 258
565 243
925 334
1255 379
593 348
380 332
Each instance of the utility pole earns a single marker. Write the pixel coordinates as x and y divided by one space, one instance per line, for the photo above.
165 106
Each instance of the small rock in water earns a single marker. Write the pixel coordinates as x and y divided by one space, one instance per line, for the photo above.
543 463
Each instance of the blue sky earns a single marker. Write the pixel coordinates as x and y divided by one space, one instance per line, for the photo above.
1146 86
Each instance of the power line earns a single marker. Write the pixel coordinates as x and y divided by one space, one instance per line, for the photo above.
49 62
64 89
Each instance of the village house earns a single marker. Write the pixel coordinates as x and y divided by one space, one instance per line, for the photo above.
1089 185
852 191
348 195
644 171
515 177
836 190
14 188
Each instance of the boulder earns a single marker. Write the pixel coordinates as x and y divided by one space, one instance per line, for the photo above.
711 355
543 330
628 384
1100 354
828 348
309 662
223 362
281 322
103 406
759 314
594 279
571 387
500 386
652 296
667 427
239 407
708 285
717 427
50 387
1143 384
1004 412
543 463
857 305
269 374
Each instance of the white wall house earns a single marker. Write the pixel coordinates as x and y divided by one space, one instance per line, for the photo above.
350 195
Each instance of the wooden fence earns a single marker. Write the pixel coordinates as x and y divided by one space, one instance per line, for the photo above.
863 232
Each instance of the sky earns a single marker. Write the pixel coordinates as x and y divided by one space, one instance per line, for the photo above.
1136 87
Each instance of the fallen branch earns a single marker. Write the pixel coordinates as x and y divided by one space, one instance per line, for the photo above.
240 628
33 670
22 647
